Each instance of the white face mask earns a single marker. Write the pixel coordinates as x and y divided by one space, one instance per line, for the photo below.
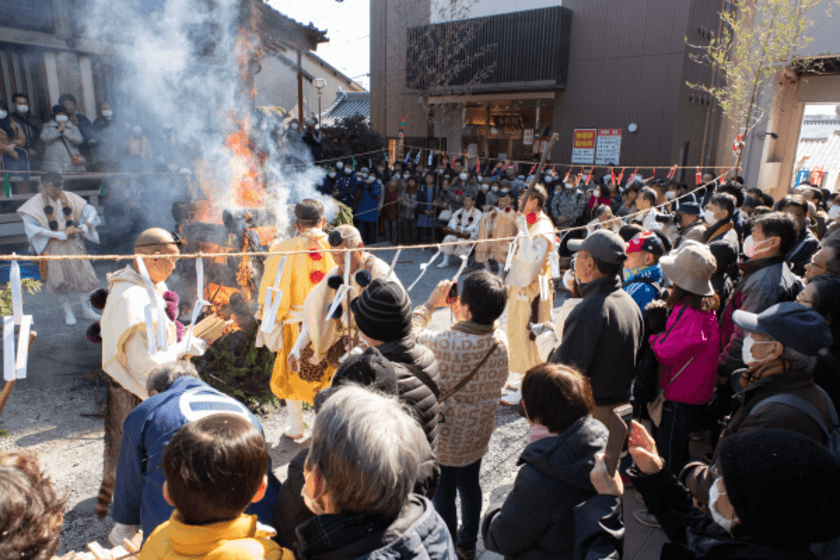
569 186
406 175
62 118
332 174
3 114
440 171
485 187
294 126
751 248
746 350
23 109
670 195
348 171
494 189
504 192
714 495
709 216
339 165
463 176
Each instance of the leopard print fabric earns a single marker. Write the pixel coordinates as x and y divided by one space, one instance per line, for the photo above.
314 373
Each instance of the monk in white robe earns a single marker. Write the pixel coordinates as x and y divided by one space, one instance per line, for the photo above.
462 226
127 355
55 222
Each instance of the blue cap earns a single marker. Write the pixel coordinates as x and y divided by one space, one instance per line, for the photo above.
793 324
691 208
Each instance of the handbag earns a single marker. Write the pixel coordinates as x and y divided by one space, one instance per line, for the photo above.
77 159
655 406
467 378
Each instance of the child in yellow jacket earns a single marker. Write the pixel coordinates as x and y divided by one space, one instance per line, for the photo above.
214 468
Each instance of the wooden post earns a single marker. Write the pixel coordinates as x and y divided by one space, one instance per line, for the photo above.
530 191
300 88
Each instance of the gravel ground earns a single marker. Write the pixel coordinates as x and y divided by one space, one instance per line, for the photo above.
57 411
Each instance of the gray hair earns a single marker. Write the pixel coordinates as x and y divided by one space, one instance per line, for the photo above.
163 376
351 238
367 447
799 360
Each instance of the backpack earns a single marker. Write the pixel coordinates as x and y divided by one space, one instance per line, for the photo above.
828 550
832 432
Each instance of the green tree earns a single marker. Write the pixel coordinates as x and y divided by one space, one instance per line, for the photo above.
758 39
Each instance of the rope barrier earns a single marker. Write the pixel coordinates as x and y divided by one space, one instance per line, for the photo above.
201 255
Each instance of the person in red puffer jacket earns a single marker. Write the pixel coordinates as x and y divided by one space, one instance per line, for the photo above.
687 349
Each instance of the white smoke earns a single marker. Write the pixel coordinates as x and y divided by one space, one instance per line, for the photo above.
179 64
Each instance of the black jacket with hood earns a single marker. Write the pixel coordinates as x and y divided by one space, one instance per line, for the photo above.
536 521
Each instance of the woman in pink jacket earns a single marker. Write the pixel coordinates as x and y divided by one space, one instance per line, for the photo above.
687 350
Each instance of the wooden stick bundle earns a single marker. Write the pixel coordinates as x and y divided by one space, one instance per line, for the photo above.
211 327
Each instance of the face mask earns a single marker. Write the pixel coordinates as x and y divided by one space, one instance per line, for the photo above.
107 114
485 187
23 109
62 118
463 176
440 171
714 495
311 503
494 189
347 171
569 186
709 216
406 176
751 249
670 195
746 350
504 192
370 180
339 165
569 280
294 126
332 174
3 114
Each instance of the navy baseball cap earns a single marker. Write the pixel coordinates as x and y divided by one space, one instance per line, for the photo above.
691 208
793 324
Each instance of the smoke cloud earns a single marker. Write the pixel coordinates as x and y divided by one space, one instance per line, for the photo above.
180 64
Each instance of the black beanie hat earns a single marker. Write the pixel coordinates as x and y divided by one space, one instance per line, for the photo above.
383 311
784 487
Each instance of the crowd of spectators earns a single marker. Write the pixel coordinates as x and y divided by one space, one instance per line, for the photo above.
713 312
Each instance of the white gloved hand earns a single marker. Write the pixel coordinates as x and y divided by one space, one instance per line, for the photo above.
60 235
522 223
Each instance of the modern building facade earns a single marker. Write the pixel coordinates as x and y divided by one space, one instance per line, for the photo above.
621 68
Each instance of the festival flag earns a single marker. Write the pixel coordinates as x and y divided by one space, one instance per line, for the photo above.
7 186
568 173
720 177
589 176
531 172
698 177
407 157
738 144
498 164
612 175
579 176
477 166
817 176
354 162
652 177
370 163
417 159
387 159
620 178
672 172
429 161
102 187
445 161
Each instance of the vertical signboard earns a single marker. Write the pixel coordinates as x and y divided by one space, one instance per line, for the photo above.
608 146
583 146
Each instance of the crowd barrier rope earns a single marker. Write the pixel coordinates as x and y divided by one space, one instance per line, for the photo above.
201 255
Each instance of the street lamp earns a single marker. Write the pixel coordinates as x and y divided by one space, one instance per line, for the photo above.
320 84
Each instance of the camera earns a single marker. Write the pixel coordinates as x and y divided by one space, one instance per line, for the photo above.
667 218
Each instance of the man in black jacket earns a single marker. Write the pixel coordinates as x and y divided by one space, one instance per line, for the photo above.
602 335
775 494
22 113
806 243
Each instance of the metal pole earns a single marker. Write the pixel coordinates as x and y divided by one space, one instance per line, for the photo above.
319 108
300 87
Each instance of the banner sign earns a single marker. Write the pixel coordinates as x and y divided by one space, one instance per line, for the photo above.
583 147
608 147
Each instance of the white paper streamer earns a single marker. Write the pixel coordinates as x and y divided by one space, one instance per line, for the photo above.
423 268
463 265
200 303
9 373
393 263
17 297
272 301
339 293
511 252
155 333
347 268
14 363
